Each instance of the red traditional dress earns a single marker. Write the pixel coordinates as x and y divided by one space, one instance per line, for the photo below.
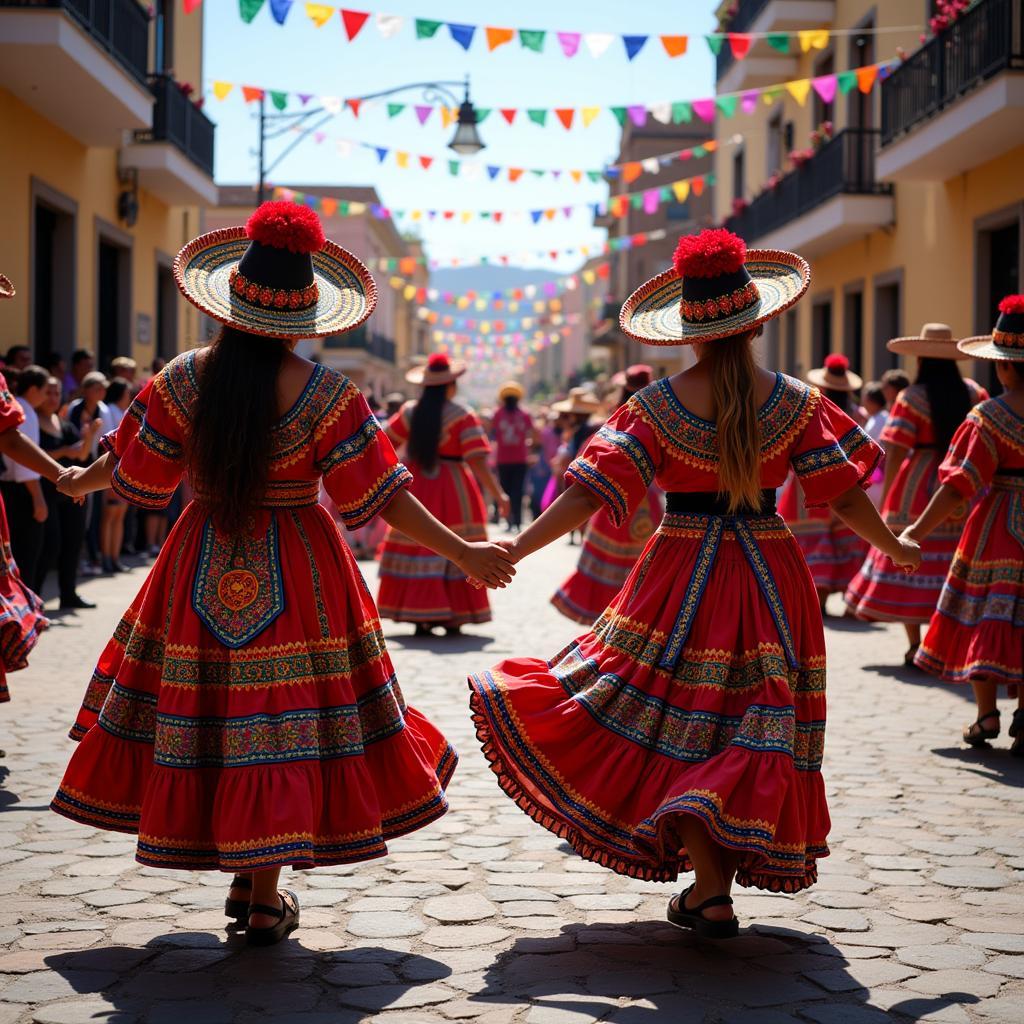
21 611
977 631
880 591
832 551
417 584
701 689
246 714
608 553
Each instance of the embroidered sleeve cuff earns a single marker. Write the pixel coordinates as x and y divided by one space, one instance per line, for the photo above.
825 473
585 473
138 492
360 512
964 478
108 443
350 447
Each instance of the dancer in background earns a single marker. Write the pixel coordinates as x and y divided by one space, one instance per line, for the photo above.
514 435
685 731
921 424
833 552
610 551
877 411
976 634
447 449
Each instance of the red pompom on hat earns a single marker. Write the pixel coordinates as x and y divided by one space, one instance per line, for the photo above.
438 361
285 225
1012 304
713 252
837 363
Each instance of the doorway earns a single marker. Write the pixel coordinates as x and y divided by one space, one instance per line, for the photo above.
53 278
888 319
821 330
998 262
853 325
166 313
113 300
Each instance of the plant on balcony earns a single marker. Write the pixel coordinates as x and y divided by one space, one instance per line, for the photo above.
821 135
799 157
773 182
187 89
727 16
739 204
947 12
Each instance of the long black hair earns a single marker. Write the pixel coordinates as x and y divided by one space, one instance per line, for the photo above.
949 399
511 402
234 414
425 426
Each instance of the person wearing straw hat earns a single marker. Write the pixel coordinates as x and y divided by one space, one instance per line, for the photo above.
514 435
245 715
685 730
976 634
608 550
832 550
447 449
922 422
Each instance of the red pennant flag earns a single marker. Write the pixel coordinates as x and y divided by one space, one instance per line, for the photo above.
354 106
565 115
448 214
604 270
425 162
553 253
496 216
421 294
740 44
638 240
251 93
354 21
504 260
697 185
191 5
509 113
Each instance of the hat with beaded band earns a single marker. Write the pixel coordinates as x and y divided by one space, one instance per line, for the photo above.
6 288
716 288
277 276
438 369
1007 338
835 375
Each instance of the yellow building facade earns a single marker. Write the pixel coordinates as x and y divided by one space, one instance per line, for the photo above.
912 210
106 163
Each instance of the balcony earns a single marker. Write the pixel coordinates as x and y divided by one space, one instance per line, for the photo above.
80 63
833 199
174 158
959 100
361 341
763 65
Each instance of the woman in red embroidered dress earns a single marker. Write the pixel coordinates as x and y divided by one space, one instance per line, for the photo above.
609 551
447 450
245 715
685 730
976 634
921 425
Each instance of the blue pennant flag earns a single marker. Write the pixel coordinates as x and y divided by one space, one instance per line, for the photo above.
382 153
462 34
634 44
536 215
493 172
280 9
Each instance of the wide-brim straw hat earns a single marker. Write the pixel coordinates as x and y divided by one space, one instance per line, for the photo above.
510 389
1007 338
430 376
581 401
833 378
984 346
935 341
6 288
347 293
653 313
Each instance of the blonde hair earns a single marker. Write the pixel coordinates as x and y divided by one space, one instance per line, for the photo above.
734 399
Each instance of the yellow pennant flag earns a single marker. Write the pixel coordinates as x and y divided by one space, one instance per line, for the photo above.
320 14
416 214
467 216
448 116
357 209
681 190
221 89
576 176
408 292
402 159
481 304
513 306
589 276
485 326
588 114
813 38
799 89
462 302
396 282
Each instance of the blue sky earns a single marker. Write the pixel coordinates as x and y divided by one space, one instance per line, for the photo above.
302 58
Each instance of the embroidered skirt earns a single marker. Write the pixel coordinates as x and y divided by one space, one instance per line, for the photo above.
700 692
607 555
418 585
246 714
977 631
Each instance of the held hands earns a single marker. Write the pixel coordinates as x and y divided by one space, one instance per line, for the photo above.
487 563
910 552
68 482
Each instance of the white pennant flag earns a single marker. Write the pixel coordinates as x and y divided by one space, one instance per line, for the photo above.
651 165
389 25
344 147
332 104
661 112
598 42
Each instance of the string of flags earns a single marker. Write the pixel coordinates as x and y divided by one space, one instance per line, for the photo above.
704 109
569 44
507 299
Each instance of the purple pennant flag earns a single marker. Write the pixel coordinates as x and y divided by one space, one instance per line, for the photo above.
651 199
462 34
382 153
749 101
550 289
448 296
627 242
704 109
423 113
638 115
570 43
492 171
535 215
280 9
825 87
556 175
634 44
304 97
567 210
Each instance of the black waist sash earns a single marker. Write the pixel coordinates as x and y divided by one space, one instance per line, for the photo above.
1016 471
709 503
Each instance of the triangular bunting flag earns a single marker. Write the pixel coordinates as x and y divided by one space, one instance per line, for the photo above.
382 152
675 46
661 112
509 113
538 116
389 25
278 8
638 115
633 44
704 109
594 175
588 114
739 43
448 116
577 176
354 105
402 159
565 115
248 9
191 5
813 38
515 173
532 39
353 22
825 86
453 168
651 165
620 114
394 109
328 207
631 171
423 113
482 113
425 162
698 184
570 43
221 89
749 101
251 94
727 104
799 89
462 34
598 42
681 190
778 41
493 171
427 29
320 14
847 80
715 43
279 99
682 112
866 77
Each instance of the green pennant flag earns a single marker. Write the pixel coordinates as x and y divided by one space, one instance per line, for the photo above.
727 104
847 80
482 114
279 99
620 115
665 194
484 215
532 39
392 263
427 29
484 259
778 41
343 207
248 9
715 44
699 151
594 175
682 113
453 168
709 179
637 201
394 109
538 116
537 173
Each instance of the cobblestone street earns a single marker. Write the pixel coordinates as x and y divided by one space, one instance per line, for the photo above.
484 917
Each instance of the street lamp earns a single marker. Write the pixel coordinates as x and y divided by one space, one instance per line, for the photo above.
465 141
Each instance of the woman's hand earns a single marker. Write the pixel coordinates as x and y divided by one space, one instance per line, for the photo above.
40 513
509 544
488 563
910 552
67 482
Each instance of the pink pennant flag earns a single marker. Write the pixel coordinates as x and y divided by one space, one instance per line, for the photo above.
191 5
749 101
704 109
570 43
319 137
651 199
422 113
825 87
638 115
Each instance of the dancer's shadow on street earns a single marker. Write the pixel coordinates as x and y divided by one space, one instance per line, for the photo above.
916 677
996 764
7 798
463 643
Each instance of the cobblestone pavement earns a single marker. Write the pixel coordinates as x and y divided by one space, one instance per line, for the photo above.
484 917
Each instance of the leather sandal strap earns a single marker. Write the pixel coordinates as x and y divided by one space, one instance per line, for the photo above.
263 908
715 901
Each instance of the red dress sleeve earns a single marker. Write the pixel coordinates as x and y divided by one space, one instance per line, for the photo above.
618 463
398 425
471 436
972 459
360 469
149 448
905 423
832 455
11 413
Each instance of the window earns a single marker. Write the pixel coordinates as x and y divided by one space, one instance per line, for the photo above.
888 319
53 272
164 35
860 106
775 149
739 173
853 325
166 313
821 330
113 294
997 259
788 134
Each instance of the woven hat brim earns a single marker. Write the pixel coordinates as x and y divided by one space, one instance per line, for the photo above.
420 375
573 407
984 347
6 288
820 379
347 292
925 347
651 314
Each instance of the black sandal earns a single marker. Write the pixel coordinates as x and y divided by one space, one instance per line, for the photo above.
238 909
1016 730
287 920
693 918
908 658
981 736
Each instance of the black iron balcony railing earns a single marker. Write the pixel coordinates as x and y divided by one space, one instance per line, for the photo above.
373 344
121 27
746 14
844 165
178 120
988 39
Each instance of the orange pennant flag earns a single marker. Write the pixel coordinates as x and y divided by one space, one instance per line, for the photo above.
866 77
448 116
498 37
711 145
618 206
565 115
550 214
576 176
515 173
328 207
632 171
251 93
675 46
407 265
